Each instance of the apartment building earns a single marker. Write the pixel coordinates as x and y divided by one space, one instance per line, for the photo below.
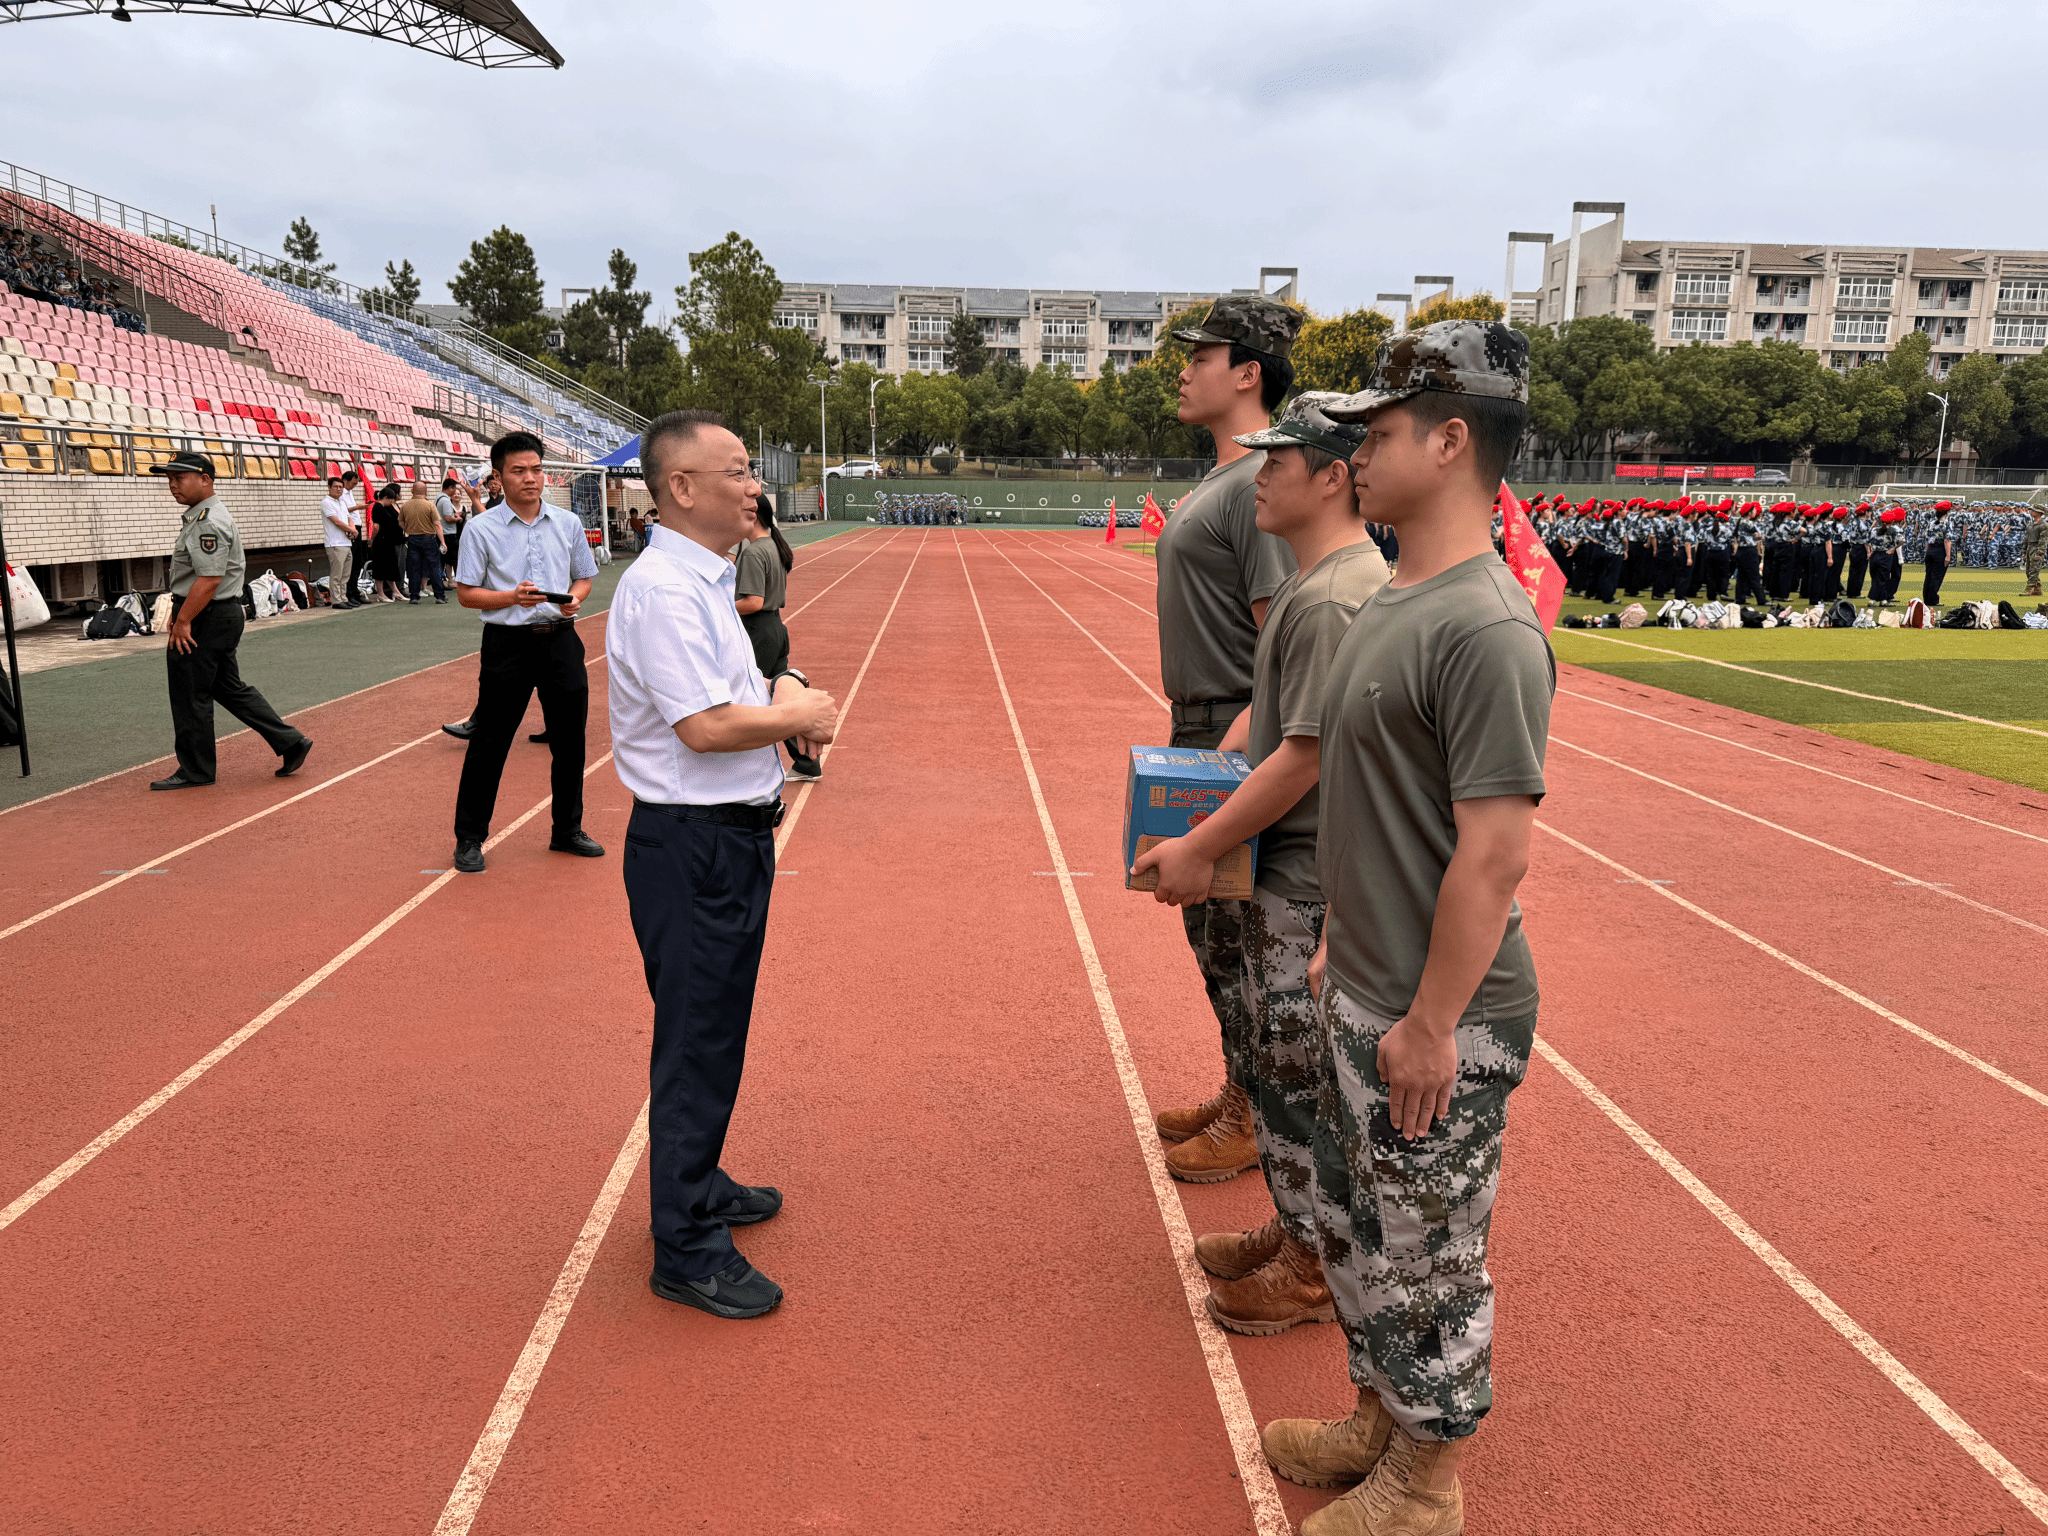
903 330
1849 303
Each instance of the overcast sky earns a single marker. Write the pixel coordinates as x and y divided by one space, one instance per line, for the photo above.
1151 145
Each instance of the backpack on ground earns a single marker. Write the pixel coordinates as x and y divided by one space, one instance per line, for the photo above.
1917 615
1962 616
112 622
130 603
1843 614
2009 616
1633 615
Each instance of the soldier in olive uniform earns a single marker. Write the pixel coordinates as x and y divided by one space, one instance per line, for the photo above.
1217 573
2033 548
207 573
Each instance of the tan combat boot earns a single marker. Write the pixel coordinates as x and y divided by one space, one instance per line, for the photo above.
1328 1453
1233 1255
1180 1124
1285 1291
1412 1492
1224 1148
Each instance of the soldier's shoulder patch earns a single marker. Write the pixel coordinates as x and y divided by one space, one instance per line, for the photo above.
209 542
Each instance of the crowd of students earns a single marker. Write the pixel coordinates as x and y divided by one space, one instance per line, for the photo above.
27 266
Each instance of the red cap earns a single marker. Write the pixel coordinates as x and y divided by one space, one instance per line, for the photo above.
1941 506
1895 515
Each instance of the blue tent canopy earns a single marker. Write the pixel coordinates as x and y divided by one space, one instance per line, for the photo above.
625 456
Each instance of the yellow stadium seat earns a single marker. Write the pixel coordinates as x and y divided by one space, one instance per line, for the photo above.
62 390
10 404
66 371
102 462
14 456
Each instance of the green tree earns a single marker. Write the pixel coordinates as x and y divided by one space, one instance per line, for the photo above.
965 347
920 411
402 283
740 362
1980 412
302 245
587 340
1151 401
846 408
1338 353
1894 417
1474 306
499 283
623 311
1769 400
2026 384
1107 431
732 291
1055 406
655 377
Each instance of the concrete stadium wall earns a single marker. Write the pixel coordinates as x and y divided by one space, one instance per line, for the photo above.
62 519
1020 501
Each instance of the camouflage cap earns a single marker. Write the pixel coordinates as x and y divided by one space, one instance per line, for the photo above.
1304 424
1248 319
1458 357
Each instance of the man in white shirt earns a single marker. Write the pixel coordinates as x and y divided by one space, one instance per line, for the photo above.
694 732
338 523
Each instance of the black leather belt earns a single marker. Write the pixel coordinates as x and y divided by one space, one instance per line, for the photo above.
757 818
543 626
1205 711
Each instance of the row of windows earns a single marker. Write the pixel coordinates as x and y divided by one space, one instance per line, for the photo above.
1854 292
1859 329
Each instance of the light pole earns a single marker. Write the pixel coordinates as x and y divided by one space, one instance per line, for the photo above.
873 385
1941 438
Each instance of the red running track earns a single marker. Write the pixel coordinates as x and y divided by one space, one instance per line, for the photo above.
1770 1245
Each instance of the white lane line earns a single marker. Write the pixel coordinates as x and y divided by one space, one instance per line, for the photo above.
1149 613
1123 565
1670 654
1269 1518
1940 888
122 877
1922 1396
2027 1090
460 1512
803 795
1743 746
1112 655
863 560
590 660
79 1160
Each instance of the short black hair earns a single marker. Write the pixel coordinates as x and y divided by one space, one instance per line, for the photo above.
350 474
670 430
516 442
448 480
1276 374
1496 424
334 479
1316 460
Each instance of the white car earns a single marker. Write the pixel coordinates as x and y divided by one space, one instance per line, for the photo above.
855 469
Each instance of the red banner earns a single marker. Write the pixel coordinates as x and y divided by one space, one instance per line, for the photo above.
1110 537
1684 471
1540 576
1154 521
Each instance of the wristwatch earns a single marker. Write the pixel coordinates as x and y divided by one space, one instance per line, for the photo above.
786 672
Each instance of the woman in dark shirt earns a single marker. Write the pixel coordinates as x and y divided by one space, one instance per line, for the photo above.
385 543
759 593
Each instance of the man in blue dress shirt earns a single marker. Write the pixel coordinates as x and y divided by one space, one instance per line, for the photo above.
513 557
694 732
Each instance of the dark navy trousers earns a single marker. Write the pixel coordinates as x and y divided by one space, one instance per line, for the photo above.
699 898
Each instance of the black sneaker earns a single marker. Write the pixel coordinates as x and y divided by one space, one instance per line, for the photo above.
469 856
461 730
582 844
756 1202
295 759
738 1290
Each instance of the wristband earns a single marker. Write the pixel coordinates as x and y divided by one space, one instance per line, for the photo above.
786 672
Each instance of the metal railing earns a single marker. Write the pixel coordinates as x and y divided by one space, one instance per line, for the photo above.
489 416
27 448
82 204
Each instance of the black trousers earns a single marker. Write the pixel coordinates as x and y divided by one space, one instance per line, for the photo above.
423 558
1886 567
1859 562
1749 582
1608 573
1665 571
210 674
771 640
1635 567
1937 570
1841 557
698 895
515 664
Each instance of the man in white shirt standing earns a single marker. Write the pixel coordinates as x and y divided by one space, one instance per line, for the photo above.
338 523
694 732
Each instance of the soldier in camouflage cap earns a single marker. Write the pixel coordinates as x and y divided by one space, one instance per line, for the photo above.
1306 423
1246 320
1432 735
1458 357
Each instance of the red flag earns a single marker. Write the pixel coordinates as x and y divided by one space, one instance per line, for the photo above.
1110 537
1539 575
1153 523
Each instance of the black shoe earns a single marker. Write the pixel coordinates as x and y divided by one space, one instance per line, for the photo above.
738 1290
756 1202
805 770
461 730
440 599
179 781
413 600
582 844
469 856
539 736
296 758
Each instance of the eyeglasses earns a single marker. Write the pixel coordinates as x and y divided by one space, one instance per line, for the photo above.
730 474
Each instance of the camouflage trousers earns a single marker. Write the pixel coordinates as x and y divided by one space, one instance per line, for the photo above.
2033 565
1402 1225
1287 1056
1215 931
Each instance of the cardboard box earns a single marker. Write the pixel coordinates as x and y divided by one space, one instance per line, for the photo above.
1171 789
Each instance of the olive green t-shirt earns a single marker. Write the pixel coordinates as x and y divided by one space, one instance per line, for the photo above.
1439 692
761 575
1290 673
1213 565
